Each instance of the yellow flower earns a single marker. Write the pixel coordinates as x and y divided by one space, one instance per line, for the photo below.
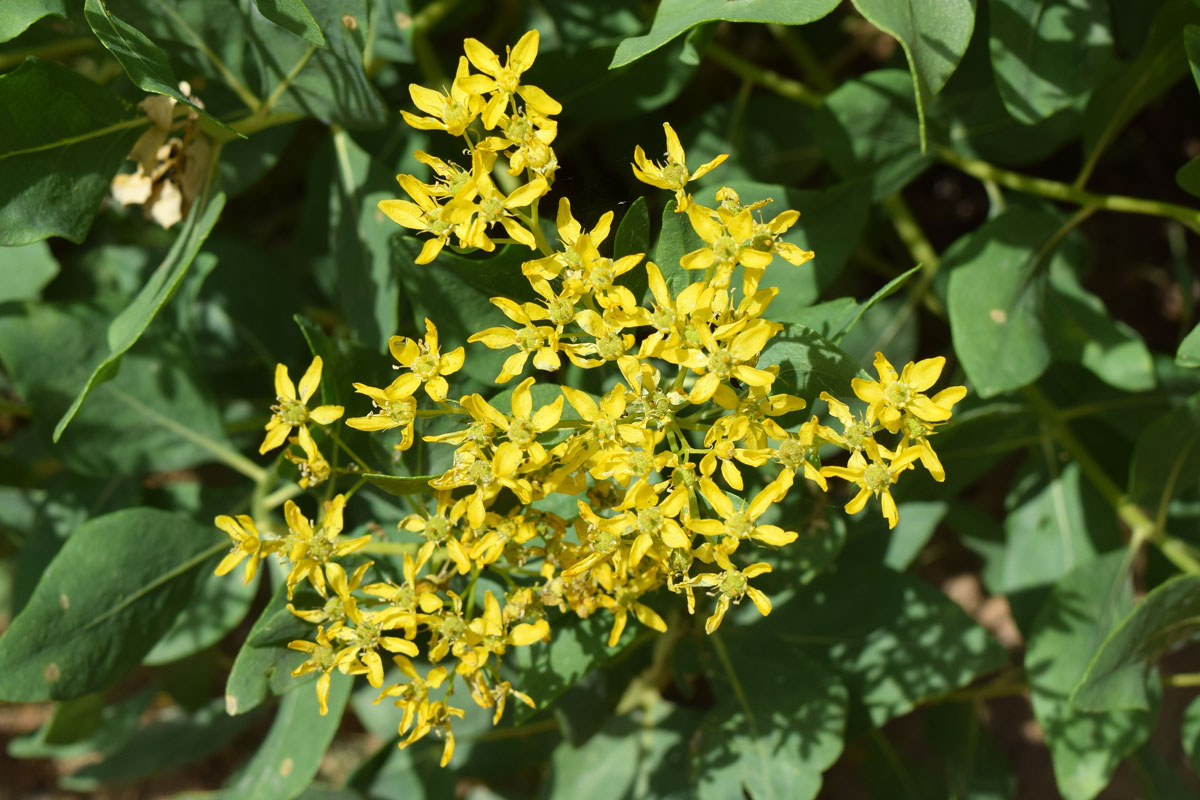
426 361
414 694
540 341
730 586
737 524
505 80
736 239
673 174
451 112
893 395
622 600
495 207
395 408
721 441
290 409
428 216
247 542
531 134
323 656
311 549
524 425
875 477
569 231
314 468
796 449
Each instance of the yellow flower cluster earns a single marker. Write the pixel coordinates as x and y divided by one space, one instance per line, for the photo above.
656 469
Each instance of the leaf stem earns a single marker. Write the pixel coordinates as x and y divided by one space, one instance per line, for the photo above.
1142 528
769 79
1056 190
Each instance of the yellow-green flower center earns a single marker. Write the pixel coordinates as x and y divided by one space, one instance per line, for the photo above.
437 529
732 584
605 541
739 524
528 339
649 520
897 394
725 248
876 477
675 174
293 412
521 432
792 454
562 311
721 362
492 209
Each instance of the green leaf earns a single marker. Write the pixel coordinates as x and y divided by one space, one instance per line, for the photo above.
1166 460
110 593
400 486
144 62
173 739
893 639
264 662
675 240
869 130
1085 748
1190 733
777 725
17 15
995 298
639 754
673 17
219 606
1191 44
1080 329
58 161
1188 177
1159 65
888 289
633 234
934 35
918 520
26 270
1189 349
809 363
549 669
131 323
1048 56
284 764
975 768
1168 614
293 16
84 727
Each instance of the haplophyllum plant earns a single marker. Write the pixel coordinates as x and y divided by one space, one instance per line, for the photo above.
656 465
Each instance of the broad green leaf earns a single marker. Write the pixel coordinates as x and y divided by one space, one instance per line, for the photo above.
130 324
888 289
284 764
995 298
110 593
134 423
1166 460
26 270
399 486
1158 66
144 62
918 520
1048 55
893 639
174 738
293 16
974 767
1084 747
368 289
1190 733
84 727
17 15
578 646
1080 329
62 138
639 754
454 292
1168 614
1189 349
633 234
868 129
1054 522
1160 777
1188 176
673 17
412 773
777 725
218 607
934 35
676 239
264 662
809 363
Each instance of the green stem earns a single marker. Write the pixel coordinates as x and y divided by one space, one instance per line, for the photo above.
785 87
280 496
1183 679
1056 190
422 24
248 98
50 50
286 83
1142 528
353 456
805 59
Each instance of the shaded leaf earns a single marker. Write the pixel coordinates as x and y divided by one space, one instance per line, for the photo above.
130 324
218 607
809 363
1048 56
58 160
934 35
1167 615
1189 349
264 662
110 593
400 485
17 15
285 763
1190 733
1188 176
1166 460
26 270
293 16
1084 747
975 768
673 17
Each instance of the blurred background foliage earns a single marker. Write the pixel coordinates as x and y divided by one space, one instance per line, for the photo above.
1028 628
